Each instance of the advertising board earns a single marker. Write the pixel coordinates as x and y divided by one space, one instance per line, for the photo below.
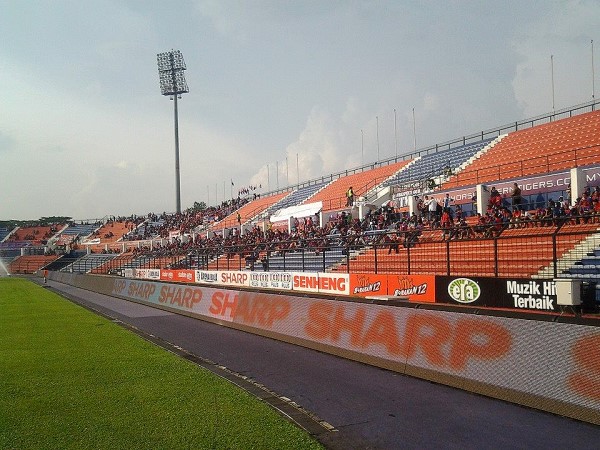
543 364
512 293
418 288
511 354
368 284
271 280
234 278
179 276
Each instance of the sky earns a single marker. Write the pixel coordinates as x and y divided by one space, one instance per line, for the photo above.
280 92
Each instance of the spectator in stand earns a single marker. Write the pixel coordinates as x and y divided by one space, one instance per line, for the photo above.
481 226
574 212
463 230
564 204
432 207
516 219
411 237
506 216
495 201
447 201
458 213
585 206
349 196
421 208
447 224
558 212
539 201
526 219
498 225
517 199
588 190
596 210
413 219
547 218
540 212
393 240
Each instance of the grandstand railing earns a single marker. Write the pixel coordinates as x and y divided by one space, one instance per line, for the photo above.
541 250
515 169
339 203
527 255
116 265
464 140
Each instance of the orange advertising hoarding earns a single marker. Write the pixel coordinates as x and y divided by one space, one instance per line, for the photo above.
418 288
180 275
368 284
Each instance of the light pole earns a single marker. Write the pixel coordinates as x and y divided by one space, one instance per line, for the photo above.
395 134
414 130
172 83
362 147
377 120
552 76
593 87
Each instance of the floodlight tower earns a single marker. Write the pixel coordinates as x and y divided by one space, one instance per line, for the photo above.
172 83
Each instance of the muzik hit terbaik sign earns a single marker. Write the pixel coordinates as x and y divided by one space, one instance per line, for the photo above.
498 292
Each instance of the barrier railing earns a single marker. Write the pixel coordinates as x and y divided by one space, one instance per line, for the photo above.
475 137
541 249
534 166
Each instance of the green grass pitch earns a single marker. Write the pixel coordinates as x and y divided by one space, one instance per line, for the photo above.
70 379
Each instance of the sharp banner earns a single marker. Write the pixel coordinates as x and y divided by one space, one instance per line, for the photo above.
548 365
493 351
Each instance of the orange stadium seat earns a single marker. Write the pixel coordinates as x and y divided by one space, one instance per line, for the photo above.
544 148
249 211
333 195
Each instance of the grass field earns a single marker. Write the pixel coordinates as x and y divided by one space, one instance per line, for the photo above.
72 379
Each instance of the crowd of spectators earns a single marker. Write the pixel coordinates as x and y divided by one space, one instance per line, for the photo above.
555 213
185 222
385 226
503 212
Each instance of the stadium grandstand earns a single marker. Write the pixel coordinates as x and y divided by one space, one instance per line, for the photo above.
521 200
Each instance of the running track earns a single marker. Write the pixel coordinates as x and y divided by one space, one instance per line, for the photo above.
369 408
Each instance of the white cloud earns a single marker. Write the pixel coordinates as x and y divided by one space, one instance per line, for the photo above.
269 80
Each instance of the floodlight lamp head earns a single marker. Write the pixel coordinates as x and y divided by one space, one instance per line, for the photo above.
170 72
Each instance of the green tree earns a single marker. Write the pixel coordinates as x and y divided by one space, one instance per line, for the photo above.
198 206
